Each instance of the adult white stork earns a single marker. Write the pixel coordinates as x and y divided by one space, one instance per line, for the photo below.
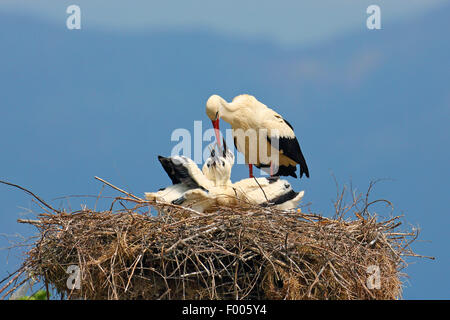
245 113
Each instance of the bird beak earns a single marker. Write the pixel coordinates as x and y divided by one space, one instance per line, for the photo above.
224 150
217 130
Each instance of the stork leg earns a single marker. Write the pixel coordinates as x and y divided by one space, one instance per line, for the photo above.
250 170
271 169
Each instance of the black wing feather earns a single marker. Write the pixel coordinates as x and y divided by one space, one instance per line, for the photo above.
291 149
177 172
291 194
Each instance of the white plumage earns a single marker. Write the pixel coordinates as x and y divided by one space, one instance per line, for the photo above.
207 189
217 167
185 176
247 115
268 192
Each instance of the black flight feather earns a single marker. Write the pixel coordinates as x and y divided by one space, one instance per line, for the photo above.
177 172
291 194
291 149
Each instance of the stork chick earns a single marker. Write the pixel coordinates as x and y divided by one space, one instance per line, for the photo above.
217 167
184 174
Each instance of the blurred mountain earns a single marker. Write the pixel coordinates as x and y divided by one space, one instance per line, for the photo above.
373 104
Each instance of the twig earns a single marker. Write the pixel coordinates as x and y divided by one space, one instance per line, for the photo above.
30 193
118 189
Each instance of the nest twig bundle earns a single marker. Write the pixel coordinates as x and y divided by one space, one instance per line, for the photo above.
245 252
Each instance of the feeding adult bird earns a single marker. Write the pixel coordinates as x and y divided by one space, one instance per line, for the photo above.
246 114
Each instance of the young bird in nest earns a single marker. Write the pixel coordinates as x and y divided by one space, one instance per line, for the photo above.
211 187
191 187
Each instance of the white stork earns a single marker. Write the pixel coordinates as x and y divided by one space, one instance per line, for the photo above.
204 190
267 192
246 112
201 190
217 168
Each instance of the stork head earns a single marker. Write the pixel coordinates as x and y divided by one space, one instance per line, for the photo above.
222 172
217 167
213 108
207 169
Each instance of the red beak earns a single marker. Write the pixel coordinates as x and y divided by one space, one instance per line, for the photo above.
216 130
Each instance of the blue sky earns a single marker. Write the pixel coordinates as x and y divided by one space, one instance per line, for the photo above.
104 100
287 22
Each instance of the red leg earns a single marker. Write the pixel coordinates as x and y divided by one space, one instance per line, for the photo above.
250 170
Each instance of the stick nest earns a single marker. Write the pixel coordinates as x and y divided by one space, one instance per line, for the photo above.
232 253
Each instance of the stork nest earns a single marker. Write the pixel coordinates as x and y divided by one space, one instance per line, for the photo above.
245 252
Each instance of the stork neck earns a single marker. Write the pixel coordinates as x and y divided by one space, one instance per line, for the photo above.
222 180
223 184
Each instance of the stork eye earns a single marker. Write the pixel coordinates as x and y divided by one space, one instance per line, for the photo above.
217 115
223 163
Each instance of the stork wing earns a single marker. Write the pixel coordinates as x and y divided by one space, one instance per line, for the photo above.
198 200
249 185
293 203
197 195
287 141
169 194
181 169
265 191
